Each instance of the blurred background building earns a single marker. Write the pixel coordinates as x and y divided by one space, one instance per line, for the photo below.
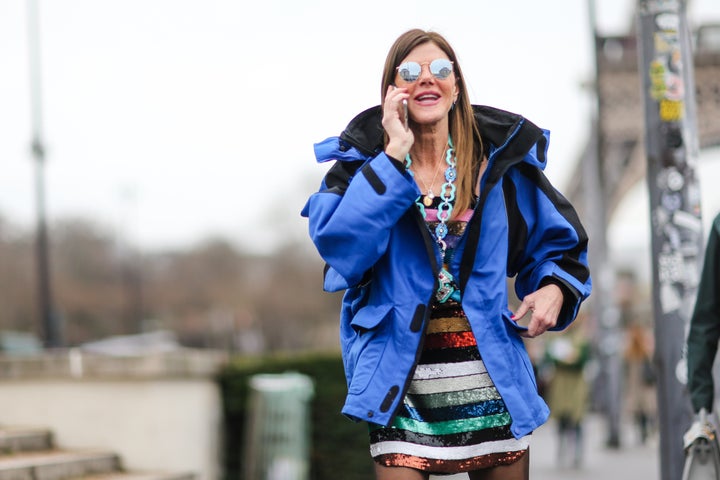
171 150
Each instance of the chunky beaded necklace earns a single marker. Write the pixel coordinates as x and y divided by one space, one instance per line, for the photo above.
446 288
447 195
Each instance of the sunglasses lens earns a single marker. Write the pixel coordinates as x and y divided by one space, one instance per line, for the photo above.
441 68
409 71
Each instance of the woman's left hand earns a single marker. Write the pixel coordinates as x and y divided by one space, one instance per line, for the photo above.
544 305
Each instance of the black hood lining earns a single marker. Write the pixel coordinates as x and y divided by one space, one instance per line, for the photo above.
365 131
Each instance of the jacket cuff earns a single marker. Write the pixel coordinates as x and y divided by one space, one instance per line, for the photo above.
571 295
397 163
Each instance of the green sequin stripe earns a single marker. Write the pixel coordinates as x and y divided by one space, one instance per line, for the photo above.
464 397
453 426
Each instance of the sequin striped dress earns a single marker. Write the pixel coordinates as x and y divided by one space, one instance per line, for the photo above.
453 419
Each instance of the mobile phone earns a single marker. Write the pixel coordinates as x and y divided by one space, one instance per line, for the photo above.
406 113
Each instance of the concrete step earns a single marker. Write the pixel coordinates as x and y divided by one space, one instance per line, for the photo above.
57 464
24 439
141 476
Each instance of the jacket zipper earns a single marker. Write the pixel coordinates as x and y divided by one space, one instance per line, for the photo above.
432 250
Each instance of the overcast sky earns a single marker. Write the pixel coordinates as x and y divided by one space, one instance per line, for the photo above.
170 121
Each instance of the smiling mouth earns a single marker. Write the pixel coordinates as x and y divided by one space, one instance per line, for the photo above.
427 97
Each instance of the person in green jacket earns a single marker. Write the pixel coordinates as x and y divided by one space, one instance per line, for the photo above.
704 334
702 345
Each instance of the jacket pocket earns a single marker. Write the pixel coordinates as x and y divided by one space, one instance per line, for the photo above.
369 317
367 347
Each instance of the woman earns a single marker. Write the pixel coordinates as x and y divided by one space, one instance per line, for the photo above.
421 221
640 390
567 357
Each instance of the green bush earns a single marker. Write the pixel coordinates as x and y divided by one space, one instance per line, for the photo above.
340 447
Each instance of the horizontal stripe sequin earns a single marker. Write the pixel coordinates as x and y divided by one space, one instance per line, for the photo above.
450 466
465 438
449 453
452 426
445 325
452 419
463 397
450 384
457 411
450 340
438 370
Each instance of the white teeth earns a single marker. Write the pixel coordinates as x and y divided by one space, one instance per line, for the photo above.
428 97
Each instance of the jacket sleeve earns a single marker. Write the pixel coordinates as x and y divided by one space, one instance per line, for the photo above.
704 333
548 244
351 216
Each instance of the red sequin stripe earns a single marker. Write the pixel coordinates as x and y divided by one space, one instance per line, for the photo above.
449 466
450 340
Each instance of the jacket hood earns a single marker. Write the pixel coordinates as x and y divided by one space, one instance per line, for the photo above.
499 129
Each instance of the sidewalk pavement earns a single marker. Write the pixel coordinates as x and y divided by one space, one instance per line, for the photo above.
632 460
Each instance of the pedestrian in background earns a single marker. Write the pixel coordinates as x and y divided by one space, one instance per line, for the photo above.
640 379
568 392
431 203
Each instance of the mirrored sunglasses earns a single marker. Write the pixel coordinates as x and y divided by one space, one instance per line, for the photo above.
440 68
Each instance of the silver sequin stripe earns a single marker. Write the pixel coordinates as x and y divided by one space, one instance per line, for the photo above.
440 370
438 385
453 399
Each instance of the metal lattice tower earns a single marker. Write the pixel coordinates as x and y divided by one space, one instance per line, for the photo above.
620 115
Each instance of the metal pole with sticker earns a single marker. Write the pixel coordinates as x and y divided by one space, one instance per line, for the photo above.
671 146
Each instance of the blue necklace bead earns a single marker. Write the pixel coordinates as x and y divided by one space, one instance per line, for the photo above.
446 288
447 195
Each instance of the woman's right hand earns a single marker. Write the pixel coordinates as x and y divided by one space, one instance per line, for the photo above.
393 121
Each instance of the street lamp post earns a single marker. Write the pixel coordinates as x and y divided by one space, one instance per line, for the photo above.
606 313
50 329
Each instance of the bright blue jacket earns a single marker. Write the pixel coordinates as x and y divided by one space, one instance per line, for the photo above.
366 227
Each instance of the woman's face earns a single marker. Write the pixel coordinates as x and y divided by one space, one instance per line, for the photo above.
430 97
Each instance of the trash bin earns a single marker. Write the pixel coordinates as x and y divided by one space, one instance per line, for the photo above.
277 437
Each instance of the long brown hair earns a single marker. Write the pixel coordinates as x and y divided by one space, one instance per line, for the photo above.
463 129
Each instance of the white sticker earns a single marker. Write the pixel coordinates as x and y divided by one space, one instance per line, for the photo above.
667 21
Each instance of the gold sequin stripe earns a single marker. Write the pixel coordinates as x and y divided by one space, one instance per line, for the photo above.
448 325
453 399
450 466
